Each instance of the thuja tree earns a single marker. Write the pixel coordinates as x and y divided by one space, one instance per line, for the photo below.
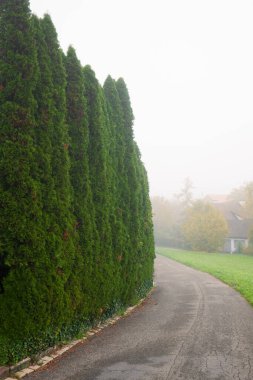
132 206
77 119
129 159
100 177
60 138
136 197
130 191
145 247
55 268
21 224
64 257
44 110
120 235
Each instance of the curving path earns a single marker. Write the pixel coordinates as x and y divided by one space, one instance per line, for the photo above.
192 327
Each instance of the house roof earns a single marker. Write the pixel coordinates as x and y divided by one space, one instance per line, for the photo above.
239 229
234 213
231 210
217 198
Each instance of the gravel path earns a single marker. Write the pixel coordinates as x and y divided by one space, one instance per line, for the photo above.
192 327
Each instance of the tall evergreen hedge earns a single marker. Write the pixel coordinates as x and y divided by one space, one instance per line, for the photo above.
76 234
22 235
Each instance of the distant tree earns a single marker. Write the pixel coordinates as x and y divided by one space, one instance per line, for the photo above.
249 249
204 227
186 195
248 190
248 213
244 193
162 219
167 217
237 194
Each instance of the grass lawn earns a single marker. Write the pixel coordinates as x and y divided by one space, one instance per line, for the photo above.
235 270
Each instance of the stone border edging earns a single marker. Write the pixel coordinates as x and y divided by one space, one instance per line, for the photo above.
25 367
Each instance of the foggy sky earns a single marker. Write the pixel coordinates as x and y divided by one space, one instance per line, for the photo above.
188 66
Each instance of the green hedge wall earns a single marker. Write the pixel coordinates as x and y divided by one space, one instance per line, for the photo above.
76 236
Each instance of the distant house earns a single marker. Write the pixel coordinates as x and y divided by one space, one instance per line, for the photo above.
237 238
238 225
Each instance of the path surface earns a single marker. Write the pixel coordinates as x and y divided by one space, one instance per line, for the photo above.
192 327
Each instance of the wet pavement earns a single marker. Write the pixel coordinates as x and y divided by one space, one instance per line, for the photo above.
192 327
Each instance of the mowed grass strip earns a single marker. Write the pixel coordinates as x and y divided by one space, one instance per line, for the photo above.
235 270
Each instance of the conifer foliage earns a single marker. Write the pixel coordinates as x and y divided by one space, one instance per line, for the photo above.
76 236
